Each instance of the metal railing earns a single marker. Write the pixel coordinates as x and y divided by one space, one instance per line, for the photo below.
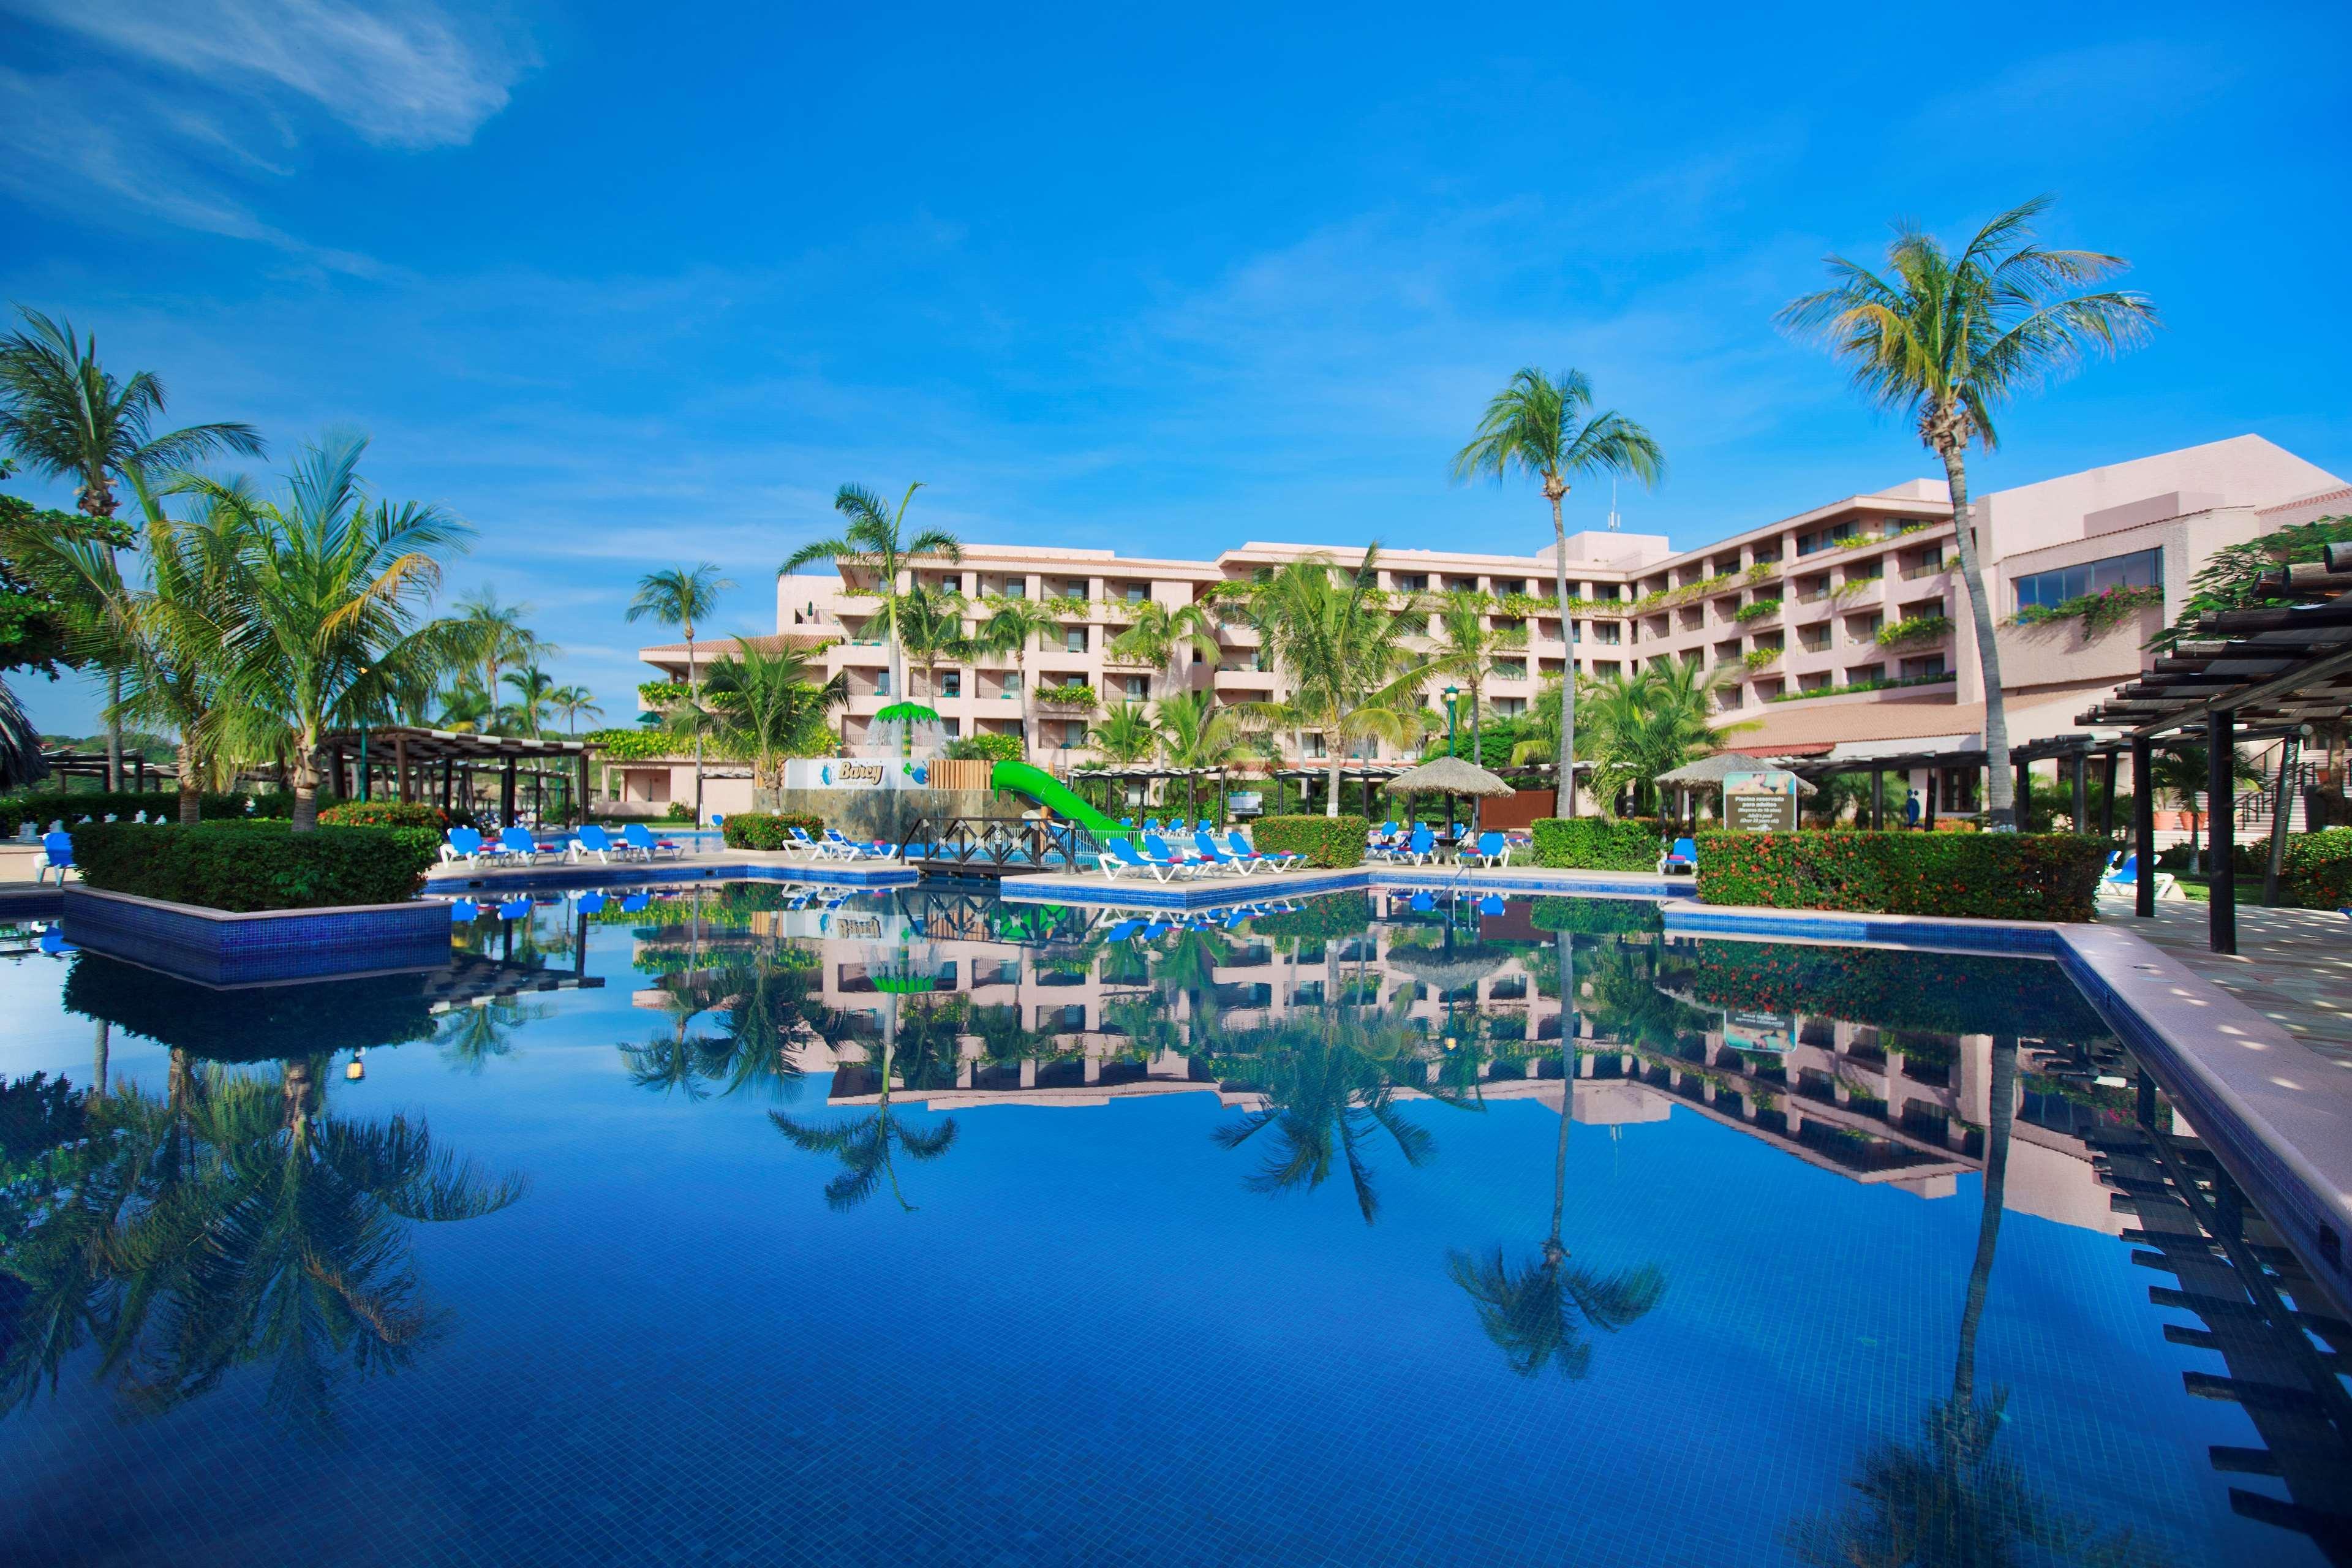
996 846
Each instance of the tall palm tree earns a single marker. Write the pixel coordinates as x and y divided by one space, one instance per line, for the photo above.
769 706
865 1145
1197 730
534 700
493 638
877 539
1128 733
932 628
1949 338
679 596
1339 645
572 702
330 629
168 636
1545 428
1652 722
64 416
1014 626
1162 633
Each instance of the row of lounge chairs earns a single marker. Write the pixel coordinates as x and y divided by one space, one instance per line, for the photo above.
1418 846
1157 860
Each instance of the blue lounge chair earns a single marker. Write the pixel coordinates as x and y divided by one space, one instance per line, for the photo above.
801 840
1492 904
589 839
56 855
517 844
1122 931
516 909
1272 859
1681 860
1216 858
593 904
1420 848
1156 845
639 841
1492 850
850 849
54 944
636 903
465 844
1422 903
2125 878
1121 855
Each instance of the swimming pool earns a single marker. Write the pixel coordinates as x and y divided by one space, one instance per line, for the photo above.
743 1224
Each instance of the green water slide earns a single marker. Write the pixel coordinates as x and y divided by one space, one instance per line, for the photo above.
1049 791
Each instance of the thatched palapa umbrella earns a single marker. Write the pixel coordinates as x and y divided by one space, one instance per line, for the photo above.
1449 777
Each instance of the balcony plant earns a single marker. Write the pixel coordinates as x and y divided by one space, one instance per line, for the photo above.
1914 629
2099 613
1076 694
1762 609
1757 658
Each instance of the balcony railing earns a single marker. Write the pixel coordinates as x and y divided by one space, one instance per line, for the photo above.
1925 568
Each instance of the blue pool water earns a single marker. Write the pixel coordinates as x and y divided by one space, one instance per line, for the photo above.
1194 1242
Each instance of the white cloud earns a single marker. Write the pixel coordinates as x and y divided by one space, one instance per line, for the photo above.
401 75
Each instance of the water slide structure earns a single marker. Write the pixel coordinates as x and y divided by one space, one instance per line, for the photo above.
1051 793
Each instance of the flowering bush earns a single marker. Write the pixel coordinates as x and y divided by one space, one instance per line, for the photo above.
1913 628
2097 612
1984 876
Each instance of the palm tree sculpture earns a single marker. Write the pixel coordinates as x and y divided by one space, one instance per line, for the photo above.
63 416
877 540
1535 1314
1336 639
679 596
1947 339
1014 626
330 629
1540 427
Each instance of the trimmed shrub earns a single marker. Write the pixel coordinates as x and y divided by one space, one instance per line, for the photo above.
241 867
2314 868
1330 842
988 747
393 813
770 829
679 811
1600 843
53 805
249 1023
1979 876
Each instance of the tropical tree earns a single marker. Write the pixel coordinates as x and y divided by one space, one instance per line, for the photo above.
931 626
64 416
768 707
1339 645
492 639
867 1145
534 700
572 702
1947 340
1327 1086
679 596
467 710
1014 626
877 540
330 628
2180 773
1161 633
1198 732
1652 722
1544 427
1128 733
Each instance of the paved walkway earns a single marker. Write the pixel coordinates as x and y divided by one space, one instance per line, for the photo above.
2292 966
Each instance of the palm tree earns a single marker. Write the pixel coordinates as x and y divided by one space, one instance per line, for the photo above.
865 1145
1539 426
1647 724
1339 645
679 596
492 636
1467 647
2180 772
167 640
466 708
1013 627
1947 339
572 701
1161 633
769 706
931 626
534 691
1197 730
329 631
1128 733
1327 1091
877 540
64 416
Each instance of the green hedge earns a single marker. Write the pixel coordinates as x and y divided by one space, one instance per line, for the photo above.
54 806
1332 842
1981 876
393 813
770 829
250 1023
241 867
1600 843
1324 919
2314 868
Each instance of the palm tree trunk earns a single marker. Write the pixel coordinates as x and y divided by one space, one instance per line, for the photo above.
1477 750
1339 758
2001 800
1567 950
97 1056
693 706
303 768
113 729
191 787
1996 1179
1565 805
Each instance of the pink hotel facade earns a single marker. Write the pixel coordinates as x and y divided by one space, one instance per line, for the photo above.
1791 611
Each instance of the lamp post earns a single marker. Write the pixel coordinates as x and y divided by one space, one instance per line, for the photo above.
1451 693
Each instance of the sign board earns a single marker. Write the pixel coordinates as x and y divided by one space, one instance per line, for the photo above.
1764 1033
1761 802
854 773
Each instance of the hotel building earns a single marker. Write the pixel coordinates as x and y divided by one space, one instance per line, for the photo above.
1836 630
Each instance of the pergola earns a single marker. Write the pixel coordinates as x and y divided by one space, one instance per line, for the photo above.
442 766
2280 670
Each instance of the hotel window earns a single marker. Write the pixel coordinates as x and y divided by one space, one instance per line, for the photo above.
2142 568
1137 593
1608 634
1824 538
952 726
1864 674
1928 666
1813 639
881 683
1074 639
1510 706
1136 686
1016 587
1510 669
1311 744
1411 582
951 683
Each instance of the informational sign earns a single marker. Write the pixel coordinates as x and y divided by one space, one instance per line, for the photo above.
1761 802
854 772
1767 1033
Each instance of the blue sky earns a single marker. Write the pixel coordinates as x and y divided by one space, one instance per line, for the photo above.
627 285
